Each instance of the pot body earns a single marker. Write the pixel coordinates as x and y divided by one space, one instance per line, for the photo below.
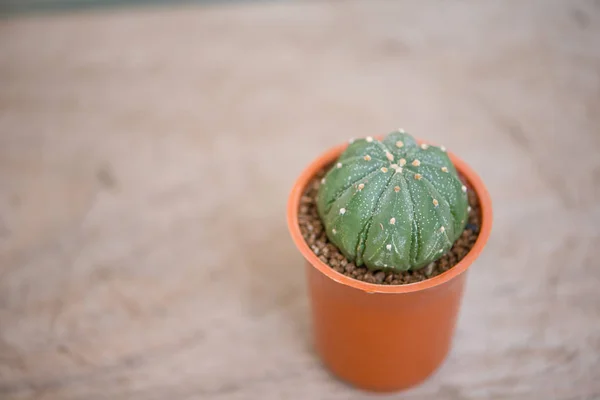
382 341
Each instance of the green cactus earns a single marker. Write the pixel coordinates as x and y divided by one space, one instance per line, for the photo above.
393 204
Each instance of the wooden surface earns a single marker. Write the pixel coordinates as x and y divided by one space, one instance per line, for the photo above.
146 156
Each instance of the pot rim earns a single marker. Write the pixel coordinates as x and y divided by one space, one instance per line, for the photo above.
331 155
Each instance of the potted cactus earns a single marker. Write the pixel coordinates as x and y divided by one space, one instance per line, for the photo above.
388 229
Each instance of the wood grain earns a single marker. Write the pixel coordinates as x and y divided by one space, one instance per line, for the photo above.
146 156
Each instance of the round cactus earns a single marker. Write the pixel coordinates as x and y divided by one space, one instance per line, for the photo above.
393 204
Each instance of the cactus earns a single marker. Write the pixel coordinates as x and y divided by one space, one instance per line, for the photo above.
393 204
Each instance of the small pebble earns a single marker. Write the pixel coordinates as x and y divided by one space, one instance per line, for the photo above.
472 227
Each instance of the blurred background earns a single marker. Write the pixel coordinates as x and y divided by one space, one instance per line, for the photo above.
147 150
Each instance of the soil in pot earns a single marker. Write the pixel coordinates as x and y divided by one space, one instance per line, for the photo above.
314 234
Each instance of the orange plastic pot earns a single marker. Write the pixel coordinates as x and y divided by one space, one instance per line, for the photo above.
379 337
